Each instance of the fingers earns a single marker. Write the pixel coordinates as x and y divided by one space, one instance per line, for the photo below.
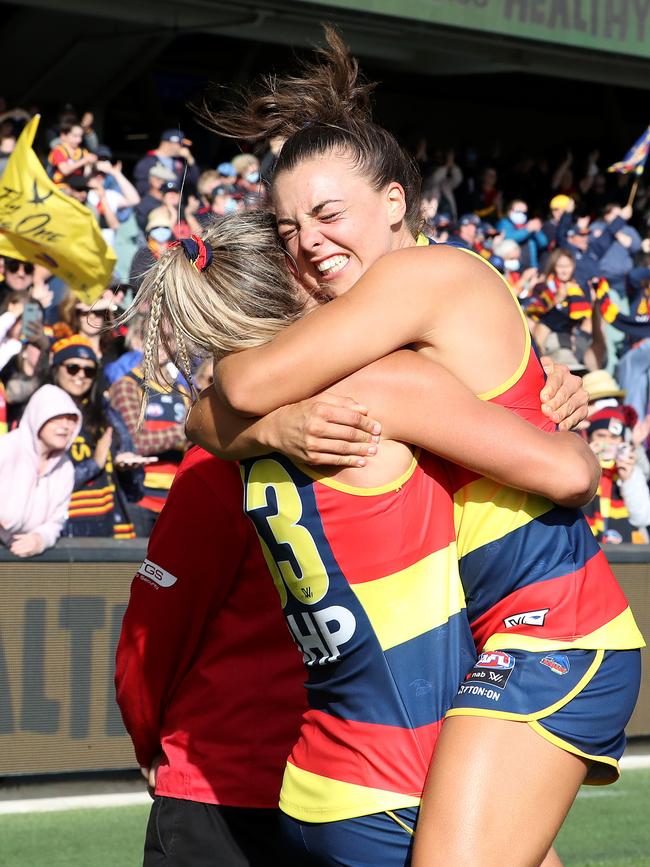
329 459
342 422
575 418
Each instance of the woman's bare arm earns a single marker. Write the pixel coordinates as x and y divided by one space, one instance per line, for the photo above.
421 403
391 306
484 437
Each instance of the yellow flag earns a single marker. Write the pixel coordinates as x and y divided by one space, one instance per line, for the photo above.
39 223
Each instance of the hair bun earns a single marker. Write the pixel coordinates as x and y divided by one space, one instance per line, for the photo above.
328 90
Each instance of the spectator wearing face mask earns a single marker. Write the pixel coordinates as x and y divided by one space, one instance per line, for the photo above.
516 226
620 511
159 237
36 469
174 153
158 175
247 169
507 252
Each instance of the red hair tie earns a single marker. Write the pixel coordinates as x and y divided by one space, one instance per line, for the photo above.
197 251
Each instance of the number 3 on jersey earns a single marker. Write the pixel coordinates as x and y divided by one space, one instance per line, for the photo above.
273 502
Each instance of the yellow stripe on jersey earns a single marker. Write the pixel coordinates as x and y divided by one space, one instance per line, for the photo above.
621 633
523 364
304 794
485 511
159 481
415 600
357 491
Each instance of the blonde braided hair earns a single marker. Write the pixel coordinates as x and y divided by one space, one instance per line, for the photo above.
242 299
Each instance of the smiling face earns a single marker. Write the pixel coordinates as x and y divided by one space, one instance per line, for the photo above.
564 268
334 225
76 375
55 433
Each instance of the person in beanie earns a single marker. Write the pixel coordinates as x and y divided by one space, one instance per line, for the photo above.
105 476
620 511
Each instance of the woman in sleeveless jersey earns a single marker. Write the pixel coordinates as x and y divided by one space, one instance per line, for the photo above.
344 196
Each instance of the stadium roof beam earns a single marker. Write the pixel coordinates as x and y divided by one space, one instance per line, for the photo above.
439 42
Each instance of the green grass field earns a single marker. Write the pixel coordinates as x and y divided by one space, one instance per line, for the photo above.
607 827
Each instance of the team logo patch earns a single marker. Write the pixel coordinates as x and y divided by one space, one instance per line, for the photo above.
557 662
154 409
526 618
155 574
492 668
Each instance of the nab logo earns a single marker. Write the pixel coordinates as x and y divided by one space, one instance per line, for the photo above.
493 668
526 618
152 572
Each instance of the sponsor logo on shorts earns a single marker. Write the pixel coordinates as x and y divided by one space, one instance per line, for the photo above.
526 618
154 574
493 668
557 662
155 410
482 691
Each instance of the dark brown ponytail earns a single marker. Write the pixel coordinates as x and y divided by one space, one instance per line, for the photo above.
324 107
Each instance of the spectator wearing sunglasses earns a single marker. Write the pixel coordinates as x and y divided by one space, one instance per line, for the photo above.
18 276
106 472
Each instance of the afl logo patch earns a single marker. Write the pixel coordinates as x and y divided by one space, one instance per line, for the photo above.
495 659
493 668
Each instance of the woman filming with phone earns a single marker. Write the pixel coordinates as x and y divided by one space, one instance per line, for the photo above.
620 511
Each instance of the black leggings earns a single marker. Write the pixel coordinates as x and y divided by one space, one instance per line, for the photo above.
190 834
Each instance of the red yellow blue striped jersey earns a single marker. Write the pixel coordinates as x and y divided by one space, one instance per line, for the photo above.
369 584
534 576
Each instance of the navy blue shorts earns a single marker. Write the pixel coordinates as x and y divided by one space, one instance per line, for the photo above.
378 840
579 700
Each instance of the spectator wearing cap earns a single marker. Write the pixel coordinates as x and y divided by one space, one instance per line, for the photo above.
589 244
516 226
466 234
620 511
182 219
227 174
159 236
174 153
36 475
105 468
561 220
68 158
158 175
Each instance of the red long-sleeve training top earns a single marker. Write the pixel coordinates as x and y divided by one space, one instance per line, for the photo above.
206 670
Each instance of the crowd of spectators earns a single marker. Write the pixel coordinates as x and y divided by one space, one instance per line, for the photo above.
574 251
